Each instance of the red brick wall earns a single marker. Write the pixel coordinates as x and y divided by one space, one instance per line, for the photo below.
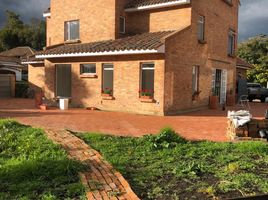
172 18
183 52
86 92
36 74
97 19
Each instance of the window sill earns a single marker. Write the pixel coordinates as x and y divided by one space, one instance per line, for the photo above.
72 41
147 99
202 41
107 97
229 3
88 76
232 55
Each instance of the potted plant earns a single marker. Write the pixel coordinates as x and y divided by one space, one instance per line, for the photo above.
214 100
195 95
146 94
107 92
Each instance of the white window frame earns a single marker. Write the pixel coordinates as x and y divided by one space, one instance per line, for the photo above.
82 73
202 21
67 28
231 34
124 24
147 69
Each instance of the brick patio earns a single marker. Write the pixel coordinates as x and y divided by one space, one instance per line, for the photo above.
200 125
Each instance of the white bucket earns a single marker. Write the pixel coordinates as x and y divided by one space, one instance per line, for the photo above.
64 104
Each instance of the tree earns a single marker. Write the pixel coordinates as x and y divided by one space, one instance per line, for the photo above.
16 33
255 52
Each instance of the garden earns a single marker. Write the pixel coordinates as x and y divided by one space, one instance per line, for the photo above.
166 166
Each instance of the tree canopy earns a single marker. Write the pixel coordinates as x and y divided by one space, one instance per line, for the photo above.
16 33
255 52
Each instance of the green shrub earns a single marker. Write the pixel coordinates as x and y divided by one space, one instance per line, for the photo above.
167 138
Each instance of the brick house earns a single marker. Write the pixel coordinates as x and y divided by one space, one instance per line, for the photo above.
154 57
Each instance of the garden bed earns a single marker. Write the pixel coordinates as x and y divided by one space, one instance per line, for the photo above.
32 167
166 166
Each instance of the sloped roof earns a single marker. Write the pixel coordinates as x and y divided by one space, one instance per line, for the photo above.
19 52
9 59
141 3
242 63
147 42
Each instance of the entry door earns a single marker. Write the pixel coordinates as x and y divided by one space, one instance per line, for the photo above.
219 84
63 81
5 86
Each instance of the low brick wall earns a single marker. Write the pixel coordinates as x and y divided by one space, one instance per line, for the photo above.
249 131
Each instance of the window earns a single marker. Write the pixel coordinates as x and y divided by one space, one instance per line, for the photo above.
71 30
231 43
107 78
230 2
88 68
201 28
195 79
147 79
122 25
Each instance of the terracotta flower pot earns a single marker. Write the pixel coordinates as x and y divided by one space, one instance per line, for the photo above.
213 102
38 99
106 95
146 97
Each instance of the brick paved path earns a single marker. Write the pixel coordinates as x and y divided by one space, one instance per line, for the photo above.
102 181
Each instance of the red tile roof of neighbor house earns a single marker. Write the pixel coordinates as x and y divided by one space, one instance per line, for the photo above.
142 42
242 63
141 3
19 52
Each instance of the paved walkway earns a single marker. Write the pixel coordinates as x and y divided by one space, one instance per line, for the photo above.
102 181
201 125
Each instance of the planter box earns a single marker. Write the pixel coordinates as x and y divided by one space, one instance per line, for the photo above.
214 102
43 107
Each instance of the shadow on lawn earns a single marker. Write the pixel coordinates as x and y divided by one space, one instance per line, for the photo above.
37 178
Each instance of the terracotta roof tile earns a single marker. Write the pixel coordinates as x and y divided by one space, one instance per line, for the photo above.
145 41
19 52
243 63
139 3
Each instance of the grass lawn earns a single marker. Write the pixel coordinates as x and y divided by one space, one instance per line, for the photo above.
166 166
32 167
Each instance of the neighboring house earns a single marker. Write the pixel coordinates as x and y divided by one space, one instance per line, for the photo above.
11 61
241 68
144 56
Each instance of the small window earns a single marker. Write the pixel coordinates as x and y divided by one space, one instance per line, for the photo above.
88 68
122 25
107 79
71 30
195 79
201 28
147 79
231 43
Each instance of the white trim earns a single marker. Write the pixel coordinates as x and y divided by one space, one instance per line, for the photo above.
105 53
159 5
32 62
46 14
242 67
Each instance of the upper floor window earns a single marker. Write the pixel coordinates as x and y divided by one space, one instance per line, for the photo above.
231 43
71 30
122 25
230 2
201 28
88 68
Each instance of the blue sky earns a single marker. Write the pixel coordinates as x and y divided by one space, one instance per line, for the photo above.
253 17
